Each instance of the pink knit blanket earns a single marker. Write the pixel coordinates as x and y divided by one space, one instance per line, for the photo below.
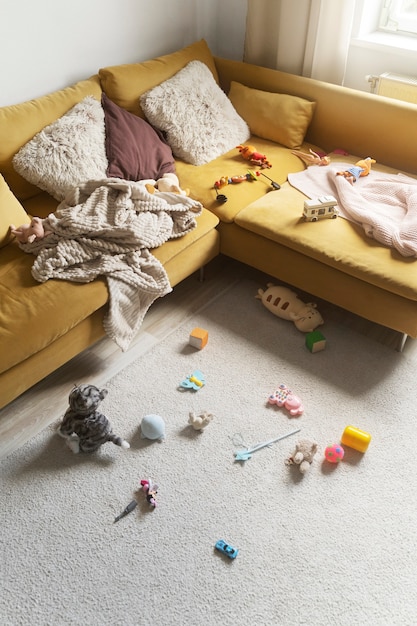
385 205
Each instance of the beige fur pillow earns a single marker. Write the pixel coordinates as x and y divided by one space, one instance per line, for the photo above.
68 152
276 116
199 121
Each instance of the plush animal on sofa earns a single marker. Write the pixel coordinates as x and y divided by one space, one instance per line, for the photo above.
250 154
303 455
284 303
168 182
28 233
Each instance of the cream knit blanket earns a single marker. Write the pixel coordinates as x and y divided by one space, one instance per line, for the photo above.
385 205
106 228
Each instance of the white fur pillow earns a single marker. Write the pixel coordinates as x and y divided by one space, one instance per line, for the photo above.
68 152
198 119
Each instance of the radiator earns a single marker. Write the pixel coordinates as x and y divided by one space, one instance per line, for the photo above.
395 86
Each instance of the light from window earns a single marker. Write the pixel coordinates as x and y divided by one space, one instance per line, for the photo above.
399 16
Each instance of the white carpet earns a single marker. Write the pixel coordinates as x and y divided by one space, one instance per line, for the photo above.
336 546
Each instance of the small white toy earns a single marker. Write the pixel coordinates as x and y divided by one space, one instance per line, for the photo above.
319 208
303 455
199 422
167 183
152 427
285 304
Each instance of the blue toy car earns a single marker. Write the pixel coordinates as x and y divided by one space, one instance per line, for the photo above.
224 547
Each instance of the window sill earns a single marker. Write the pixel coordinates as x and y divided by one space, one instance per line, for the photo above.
386 42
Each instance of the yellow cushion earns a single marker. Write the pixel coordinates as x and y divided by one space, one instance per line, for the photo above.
276 116
125 83
11 212
21 122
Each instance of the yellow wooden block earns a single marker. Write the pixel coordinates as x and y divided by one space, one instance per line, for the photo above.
198 338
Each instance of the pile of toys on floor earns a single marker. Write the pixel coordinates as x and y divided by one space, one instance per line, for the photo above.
86 429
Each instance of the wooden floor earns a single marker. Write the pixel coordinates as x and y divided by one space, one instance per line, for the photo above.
46 402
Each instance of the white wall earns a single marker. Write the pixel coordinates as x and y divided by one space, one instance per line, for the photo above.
49 44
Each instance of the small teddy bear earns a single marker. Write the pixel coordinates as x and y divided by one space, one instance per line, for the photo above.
303 455
199 422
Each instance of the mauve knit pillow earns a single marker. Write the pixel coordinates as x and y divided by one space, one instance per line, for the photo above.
135 150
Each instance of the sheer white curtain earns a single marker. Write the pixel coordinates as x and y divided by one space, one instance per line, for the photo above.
305 37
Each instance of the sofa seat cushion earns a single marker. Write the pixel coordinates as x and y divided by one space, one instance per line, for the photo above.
335 242
33 315
200 180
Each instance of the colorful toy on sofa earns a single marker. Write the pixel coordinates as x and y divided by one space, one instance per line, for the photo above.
249 153
360 169
311 157
283 396
284 303
235 180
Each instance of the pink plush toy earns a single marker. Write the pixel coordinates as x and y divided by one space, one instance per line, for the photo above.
28 233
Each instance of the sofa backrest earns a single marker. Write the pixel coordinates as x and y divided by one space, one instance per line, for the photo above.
124 84
21 122
358 122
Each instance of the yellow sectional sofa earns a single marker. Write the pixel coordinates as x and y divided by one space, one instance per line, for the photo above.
43 325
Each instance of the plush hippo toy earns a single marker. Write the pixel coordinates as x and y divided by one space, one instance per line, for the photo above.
284 303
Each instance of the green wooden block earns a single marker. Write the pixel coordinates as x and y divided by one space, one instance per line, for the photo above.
315 341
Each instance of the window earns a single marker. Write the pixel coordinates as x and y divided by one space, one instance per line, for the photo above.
399 16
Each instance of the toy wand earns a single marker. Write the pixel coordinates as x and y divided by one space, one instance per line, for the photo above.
244 455
130 507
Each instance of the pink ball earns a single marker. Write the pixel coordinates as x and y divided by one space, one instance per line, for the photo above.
334 453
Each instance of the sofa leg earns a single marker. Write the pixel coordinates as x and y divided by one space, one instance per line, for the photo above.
201 274
401 342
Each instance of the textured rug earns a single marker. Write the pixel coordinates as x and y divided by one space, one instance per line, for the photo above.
336 545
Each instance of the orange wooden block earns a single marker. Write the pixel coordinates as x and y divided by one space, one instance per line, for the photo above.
198 338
